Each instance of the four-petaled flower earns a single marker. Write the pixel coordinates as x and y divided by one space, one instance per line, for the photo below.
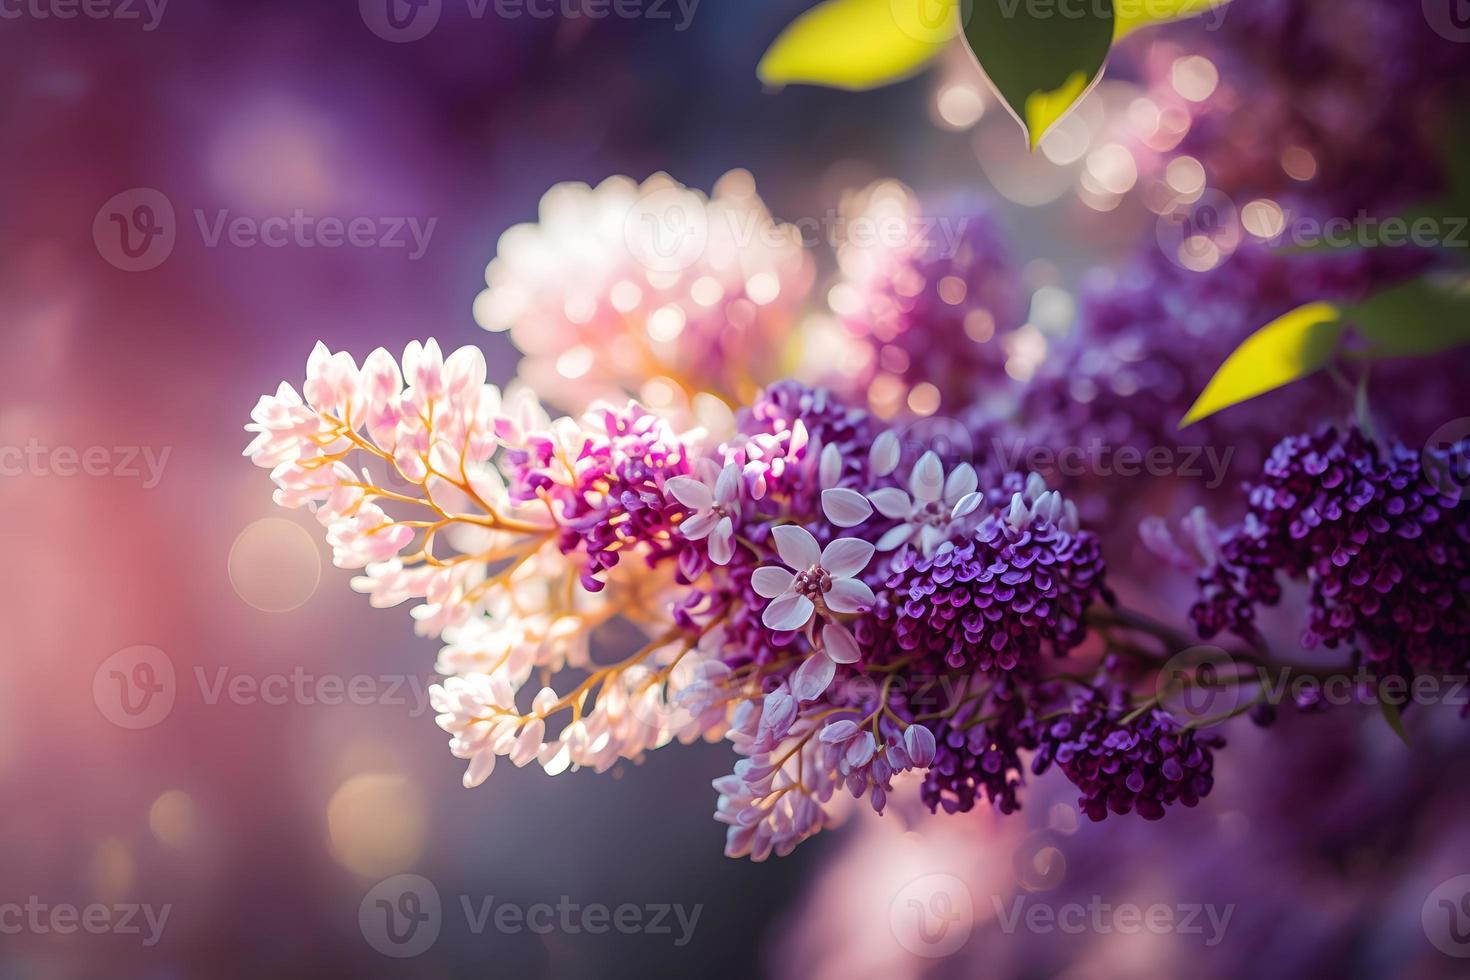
714 501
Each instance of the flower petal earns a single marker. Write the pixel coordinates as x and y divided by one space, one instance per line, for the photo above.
796 546
830 467
892 502
770 581
840 644
926 482
813 677
960 482
849 595
788 611
698 526
883 457
845 508
690 492
727 487
722 542
860 750
966 505
918 742
845 557
839 731
896 537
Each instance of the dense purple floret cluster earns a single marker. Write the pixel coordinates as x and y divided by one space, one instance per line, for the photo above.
1125 761
990 601
1383 545
979 756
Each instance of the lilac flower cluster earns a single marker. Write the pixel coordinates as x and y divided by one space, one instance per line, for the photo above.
979 755
1384 550
931 305
1336 100
1149 339
608 490
1023 576
1125 760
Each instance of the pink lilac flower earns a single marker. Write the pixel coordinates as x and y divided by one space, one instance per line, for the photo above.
649 290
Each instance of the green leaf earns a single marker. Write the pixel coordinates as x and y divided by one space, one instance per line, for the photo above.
1130 15
1039 57
1285 350
860 44
1424 316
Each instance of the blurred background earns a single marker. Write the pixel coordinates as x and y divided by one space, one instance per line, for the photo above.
286 761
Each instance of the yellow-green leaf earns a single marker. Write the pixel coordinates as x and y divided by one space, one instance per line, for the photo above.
860 44
1130 15
1039 58
1284 350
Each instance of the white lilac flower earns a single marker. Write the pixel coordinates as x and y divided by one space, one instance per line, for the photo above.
823 579
714 502
927 512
